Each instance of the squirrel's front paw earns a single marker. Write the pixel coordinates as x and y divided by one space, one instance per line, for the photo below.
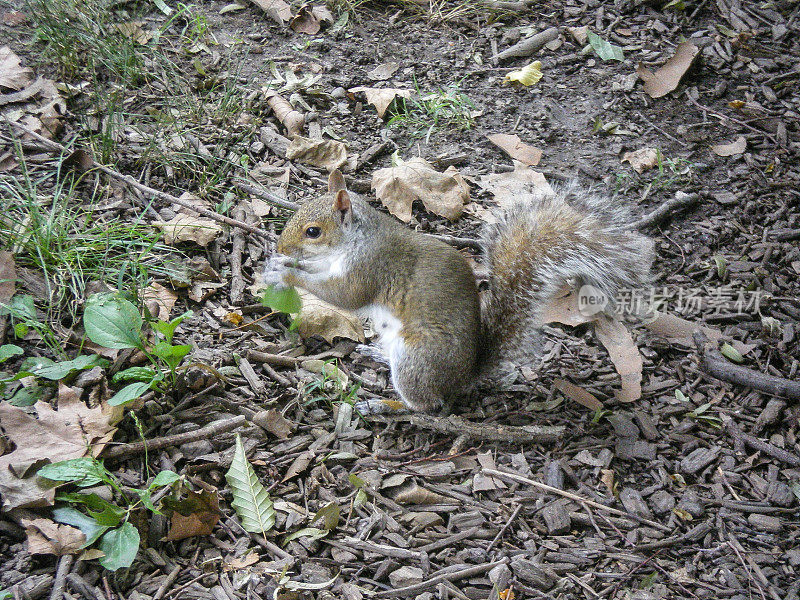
379 406
275 270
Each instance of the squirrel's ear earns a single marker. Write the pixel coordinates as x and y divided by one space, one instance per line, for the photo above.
342 207
336 181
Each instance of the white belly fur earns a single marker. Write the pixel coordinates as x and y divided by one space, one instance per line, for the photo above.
388 328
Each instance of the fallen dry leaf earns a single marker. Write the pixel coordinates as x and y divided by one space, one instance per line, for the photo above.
383 71
48 537
72 430
416 494
159 300
278 10
310 19
527 75
327 321
508 187
242 563
13 76
443 194
275 423
678 329
326 154
516 148
298 465
564 308
197 514
8 161
579 34
381 98
669 75
624 353
736 147
134 32
577 394
293 120
642 159
8 276
186 228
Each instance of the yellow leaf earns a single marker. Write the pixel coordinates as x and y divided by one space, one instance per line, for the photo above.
528 75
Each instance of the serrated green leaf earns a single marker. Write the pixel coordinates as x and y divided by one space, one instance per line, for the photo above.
309 532
285 300
250 498
100 510
9 350
604 49
112 322
83 472
129 393
90 528
120 546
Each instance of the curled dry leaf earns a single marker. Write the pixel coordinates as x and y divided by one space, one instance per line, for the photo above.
624 353
48 537
187 228
310 19
278 10
274 422
381 98
564 308
201 515
134 32
669 75
293 120
72 430
326 154
736 147
507 187
516 148
527 75
443 194
327 321
642 159
13 76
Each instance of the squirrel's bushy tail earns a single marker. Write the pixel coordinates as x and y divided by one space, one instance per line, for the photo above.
545 243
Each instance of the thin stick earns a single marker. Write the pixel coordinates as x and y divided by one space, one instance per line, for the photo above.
679 202
436 579
571 496
760 445
479 431
51 145
164 587
209 431
449 540
64 566
503 530
769 384
265 195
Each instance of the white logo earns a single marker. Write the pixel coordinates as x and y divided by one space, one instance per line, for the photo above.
591 300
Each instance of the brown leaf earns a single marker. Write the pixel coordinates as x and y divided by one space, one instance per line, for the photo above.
383 71
278 10
508 187
578 394
274 422
72 430
642 159
80 160
381 98
669 75
624 354
415 494
299 465
134 32
8 161
159 300
565 308
187 228
242 563
310 19
443 194
317 317
326 154
202 514
677 329
516 148
8 276
13 76
47 537
293 120
736 147
579 34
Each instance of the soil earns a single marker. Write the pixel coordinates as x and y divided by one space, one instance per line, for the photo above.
726 511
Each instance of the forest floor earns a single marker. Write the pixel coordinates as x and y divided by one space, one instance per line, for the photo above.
691 491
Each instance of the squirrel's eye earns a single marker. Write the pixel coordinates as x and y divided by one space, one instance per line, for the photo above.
313 232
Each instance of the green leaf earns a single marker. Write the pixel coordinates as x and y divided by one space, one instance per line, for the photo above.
146 497
100 509
90 528
44 367
329 514
731 353
9 350
164 478
172 355
83 472
250 498
147 374
162 6
356 481
112 322
20 307
167 329
128 394
604 50
310 532
26 396
281 299
361 498
120 546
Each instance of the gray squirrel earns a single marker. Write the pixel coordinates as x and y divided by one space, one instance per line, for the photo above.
442 336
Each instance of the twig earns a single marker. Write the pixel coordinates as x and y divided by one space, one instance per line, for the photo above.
769 384
64 566
209 431
237 279
760 445
460 241
170 579
529 45
719 115
351 543
265 195
679 202
436 579
490 432
449 540
571 496
508 5
503 530
55 146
